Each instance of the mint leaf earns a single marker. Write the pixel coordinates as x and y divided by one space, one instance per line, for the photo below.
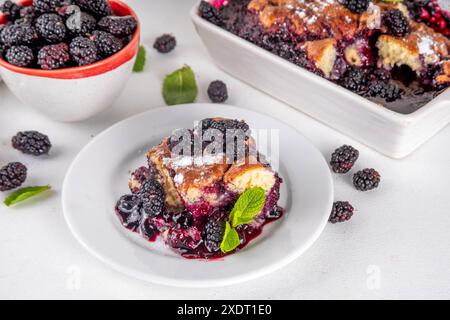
141 58
230 239
249 204
24 194
180 87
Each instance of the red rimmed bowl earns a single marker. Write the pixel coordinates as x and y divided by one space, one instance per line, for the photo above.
78 93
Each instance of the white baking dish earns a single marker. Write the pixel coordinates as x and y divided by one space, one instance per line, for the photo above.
393 134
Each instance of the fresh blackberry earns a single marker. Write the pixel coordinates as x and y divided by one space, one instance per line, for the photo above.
81 23
83 51
18 34
51 27
396 22
11 10
381 74
385 90
106 43
209 12
342 211
118 26
31 142
218 92
223 125
343 159
366 179
356 6
165 43
214 231
153 198
21 56
355 80
54 56
99 8
128 208
46 6
12 176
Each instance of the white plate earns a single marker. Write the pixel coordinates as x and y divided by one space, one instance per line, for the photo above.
99 175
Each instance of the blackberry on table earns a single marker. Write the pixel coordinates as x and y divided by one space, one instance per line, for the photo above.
153 198
209 12
20 56
11 10
54 56
18 34
385 90
342 211
218 92
356 6
128 209
343 159
81 23
355 80
106 43
396 22
214 232
118 26
31 142
367 179
12 176
165 43
83 51
99 8
51 27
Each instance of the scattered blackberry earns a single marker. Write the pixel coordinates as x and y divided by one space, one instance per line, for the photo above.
165 43
106 43
21 56
355 80
396 22
12 176
99 8
218 92
366 179
118 26
11 10
128 209
51 27
54 56
81 23
214 231
31 142
385 90
343 159
342 211
209 12
356 6
83 51
18 34
153 198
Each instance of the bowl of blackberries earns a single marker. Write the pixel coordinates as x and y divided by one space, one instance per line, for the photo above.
69 59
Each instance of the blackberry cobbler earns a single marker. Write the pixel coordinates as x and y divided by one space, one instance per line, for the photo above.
395 53
189 198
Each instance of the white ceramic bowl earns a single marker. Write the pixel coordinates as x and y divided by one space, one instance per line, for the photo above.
391 133
74 94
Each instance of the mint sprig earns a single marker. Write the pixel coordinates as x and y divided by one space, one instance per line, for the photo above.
180 87
246 208
141 59
24 194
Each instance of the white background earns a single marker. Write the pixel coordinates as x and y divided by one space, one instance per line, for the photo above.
396 246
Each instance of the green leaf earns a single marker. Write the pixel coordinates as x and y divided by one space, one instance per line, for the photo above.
249 204
141 58
180 87
24 194
230 239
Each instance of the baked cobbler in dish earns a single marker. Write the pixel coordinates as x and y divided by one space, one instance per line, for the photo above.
192 198
395 53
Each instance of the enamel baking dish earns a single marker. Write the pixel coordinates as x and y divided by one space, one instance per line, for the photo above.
393 134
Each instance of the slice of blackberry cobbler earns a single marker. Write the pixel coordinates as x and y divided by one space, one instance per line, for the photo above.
395 53
187 199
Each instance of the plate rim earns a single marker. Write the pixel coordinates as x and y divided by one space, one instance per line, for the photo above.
198 283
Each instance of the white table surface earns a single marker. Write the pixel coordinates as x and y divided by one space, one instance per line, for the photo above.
396 246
